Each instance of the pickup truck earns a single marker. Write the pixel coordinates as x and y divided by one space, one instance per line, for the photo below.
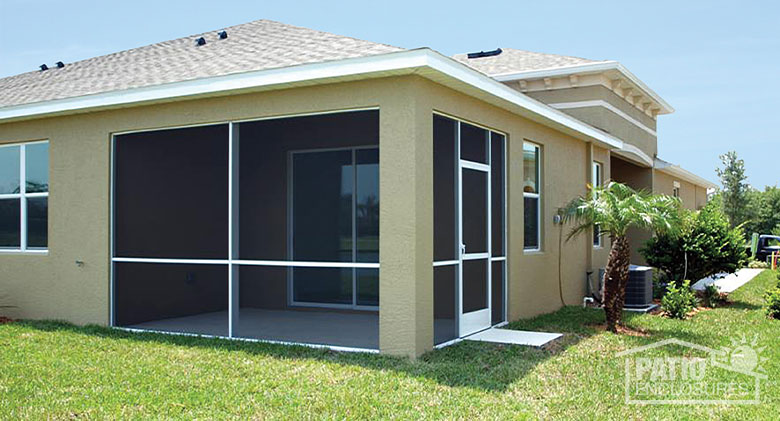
767 244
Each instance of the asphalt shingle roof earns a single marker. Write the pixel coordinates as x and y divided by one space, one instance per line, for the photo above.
252 46
512 61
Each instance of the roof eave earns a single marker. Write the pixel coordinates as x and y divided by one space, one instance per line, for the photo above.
588 68
423 61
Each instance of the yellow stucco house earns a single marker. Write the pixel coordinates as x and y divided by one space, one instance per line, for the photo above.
271 182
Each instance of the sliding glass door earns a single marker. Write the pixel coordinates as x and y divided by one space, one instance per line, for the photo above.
334 203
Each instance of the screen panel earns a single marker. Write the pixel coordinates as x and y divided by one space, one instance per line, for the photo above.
172 297
170 193
475 291
475 210
445 286
473 143
444 189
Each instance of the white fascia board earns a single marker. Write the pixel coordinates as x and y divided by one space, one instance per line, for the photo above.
681 173
404 62
597 67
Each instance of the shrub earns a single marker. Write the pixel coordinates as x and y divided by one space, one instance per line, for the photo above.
772 298
712 297
757 264
678 300
659 286
705 244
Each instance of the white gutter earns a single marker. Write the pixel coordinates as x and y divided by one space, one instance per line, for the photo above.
587 68
681 173
363 67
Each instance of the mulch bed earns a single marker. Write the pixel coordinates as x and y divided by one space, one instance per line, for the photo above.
4 320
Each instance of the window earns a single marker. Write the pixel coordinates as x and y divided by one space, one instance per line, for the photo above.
676 189
24 196
597 181
531 196
335 218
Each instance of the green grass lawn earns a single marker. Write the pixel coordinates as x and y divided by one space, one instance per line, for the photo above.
56 370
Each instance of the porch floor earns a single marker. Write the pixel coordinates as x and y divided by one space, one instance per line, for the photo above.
311 327
514 337
353 330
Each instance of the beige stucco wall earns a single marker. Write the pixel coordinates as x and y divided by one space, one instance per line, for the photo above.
692 196
52 286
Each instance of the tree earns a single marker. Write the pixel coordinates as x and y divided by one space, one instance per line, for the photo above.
704 244
735 188
615 208
763 211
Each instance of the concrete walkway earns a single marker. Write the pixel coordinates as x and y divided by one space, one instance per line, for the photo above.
728 282
514 337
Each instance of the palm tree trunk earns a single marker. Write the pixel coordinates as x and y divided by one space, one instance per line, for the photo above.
615 280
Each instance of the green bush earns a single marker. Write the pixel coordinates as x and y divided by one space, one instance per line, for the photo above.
678 300
705 245
757 264
772 298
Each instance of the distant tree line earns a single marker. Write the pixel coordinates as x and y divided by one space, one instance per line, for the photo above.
755 210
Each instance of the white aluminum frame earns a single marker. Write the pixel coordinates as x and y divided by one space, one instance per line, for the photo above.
469 325
481 319
232 262
22 196
537 196
290 230
597 175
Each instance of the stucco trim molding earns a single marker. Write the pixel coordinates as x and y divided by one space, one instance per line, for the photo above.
604 104
423 62
622 78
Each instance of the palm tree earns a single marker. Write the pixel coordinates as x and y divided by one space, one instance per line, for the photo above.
615 208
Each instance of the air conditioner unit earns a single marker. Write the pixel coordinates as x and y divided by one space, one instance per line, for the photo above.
639 290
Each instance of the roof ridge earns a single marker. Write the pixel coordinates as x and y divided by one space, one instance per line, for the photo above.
195 36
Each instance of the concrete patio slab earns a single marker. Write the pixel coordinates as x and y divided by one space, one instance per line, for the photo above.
514 337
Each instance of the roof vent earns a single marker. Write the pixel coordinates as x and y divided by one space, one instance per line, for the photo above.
481 54
200 41
222 34
60 65
44 67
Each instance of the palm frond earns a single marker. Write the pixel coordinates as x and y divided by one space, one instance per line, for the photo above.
617 207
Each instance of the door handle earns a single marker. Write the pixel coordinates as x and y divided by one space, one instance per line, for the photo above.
462 248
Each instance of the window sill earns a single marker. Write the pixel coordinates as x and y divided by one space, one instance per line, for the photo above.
11 252
598 247
532 252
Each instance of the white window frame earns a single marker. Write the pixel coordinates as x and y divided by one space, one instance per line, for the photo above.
499 257
537 196
290 230
597 180
23 196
